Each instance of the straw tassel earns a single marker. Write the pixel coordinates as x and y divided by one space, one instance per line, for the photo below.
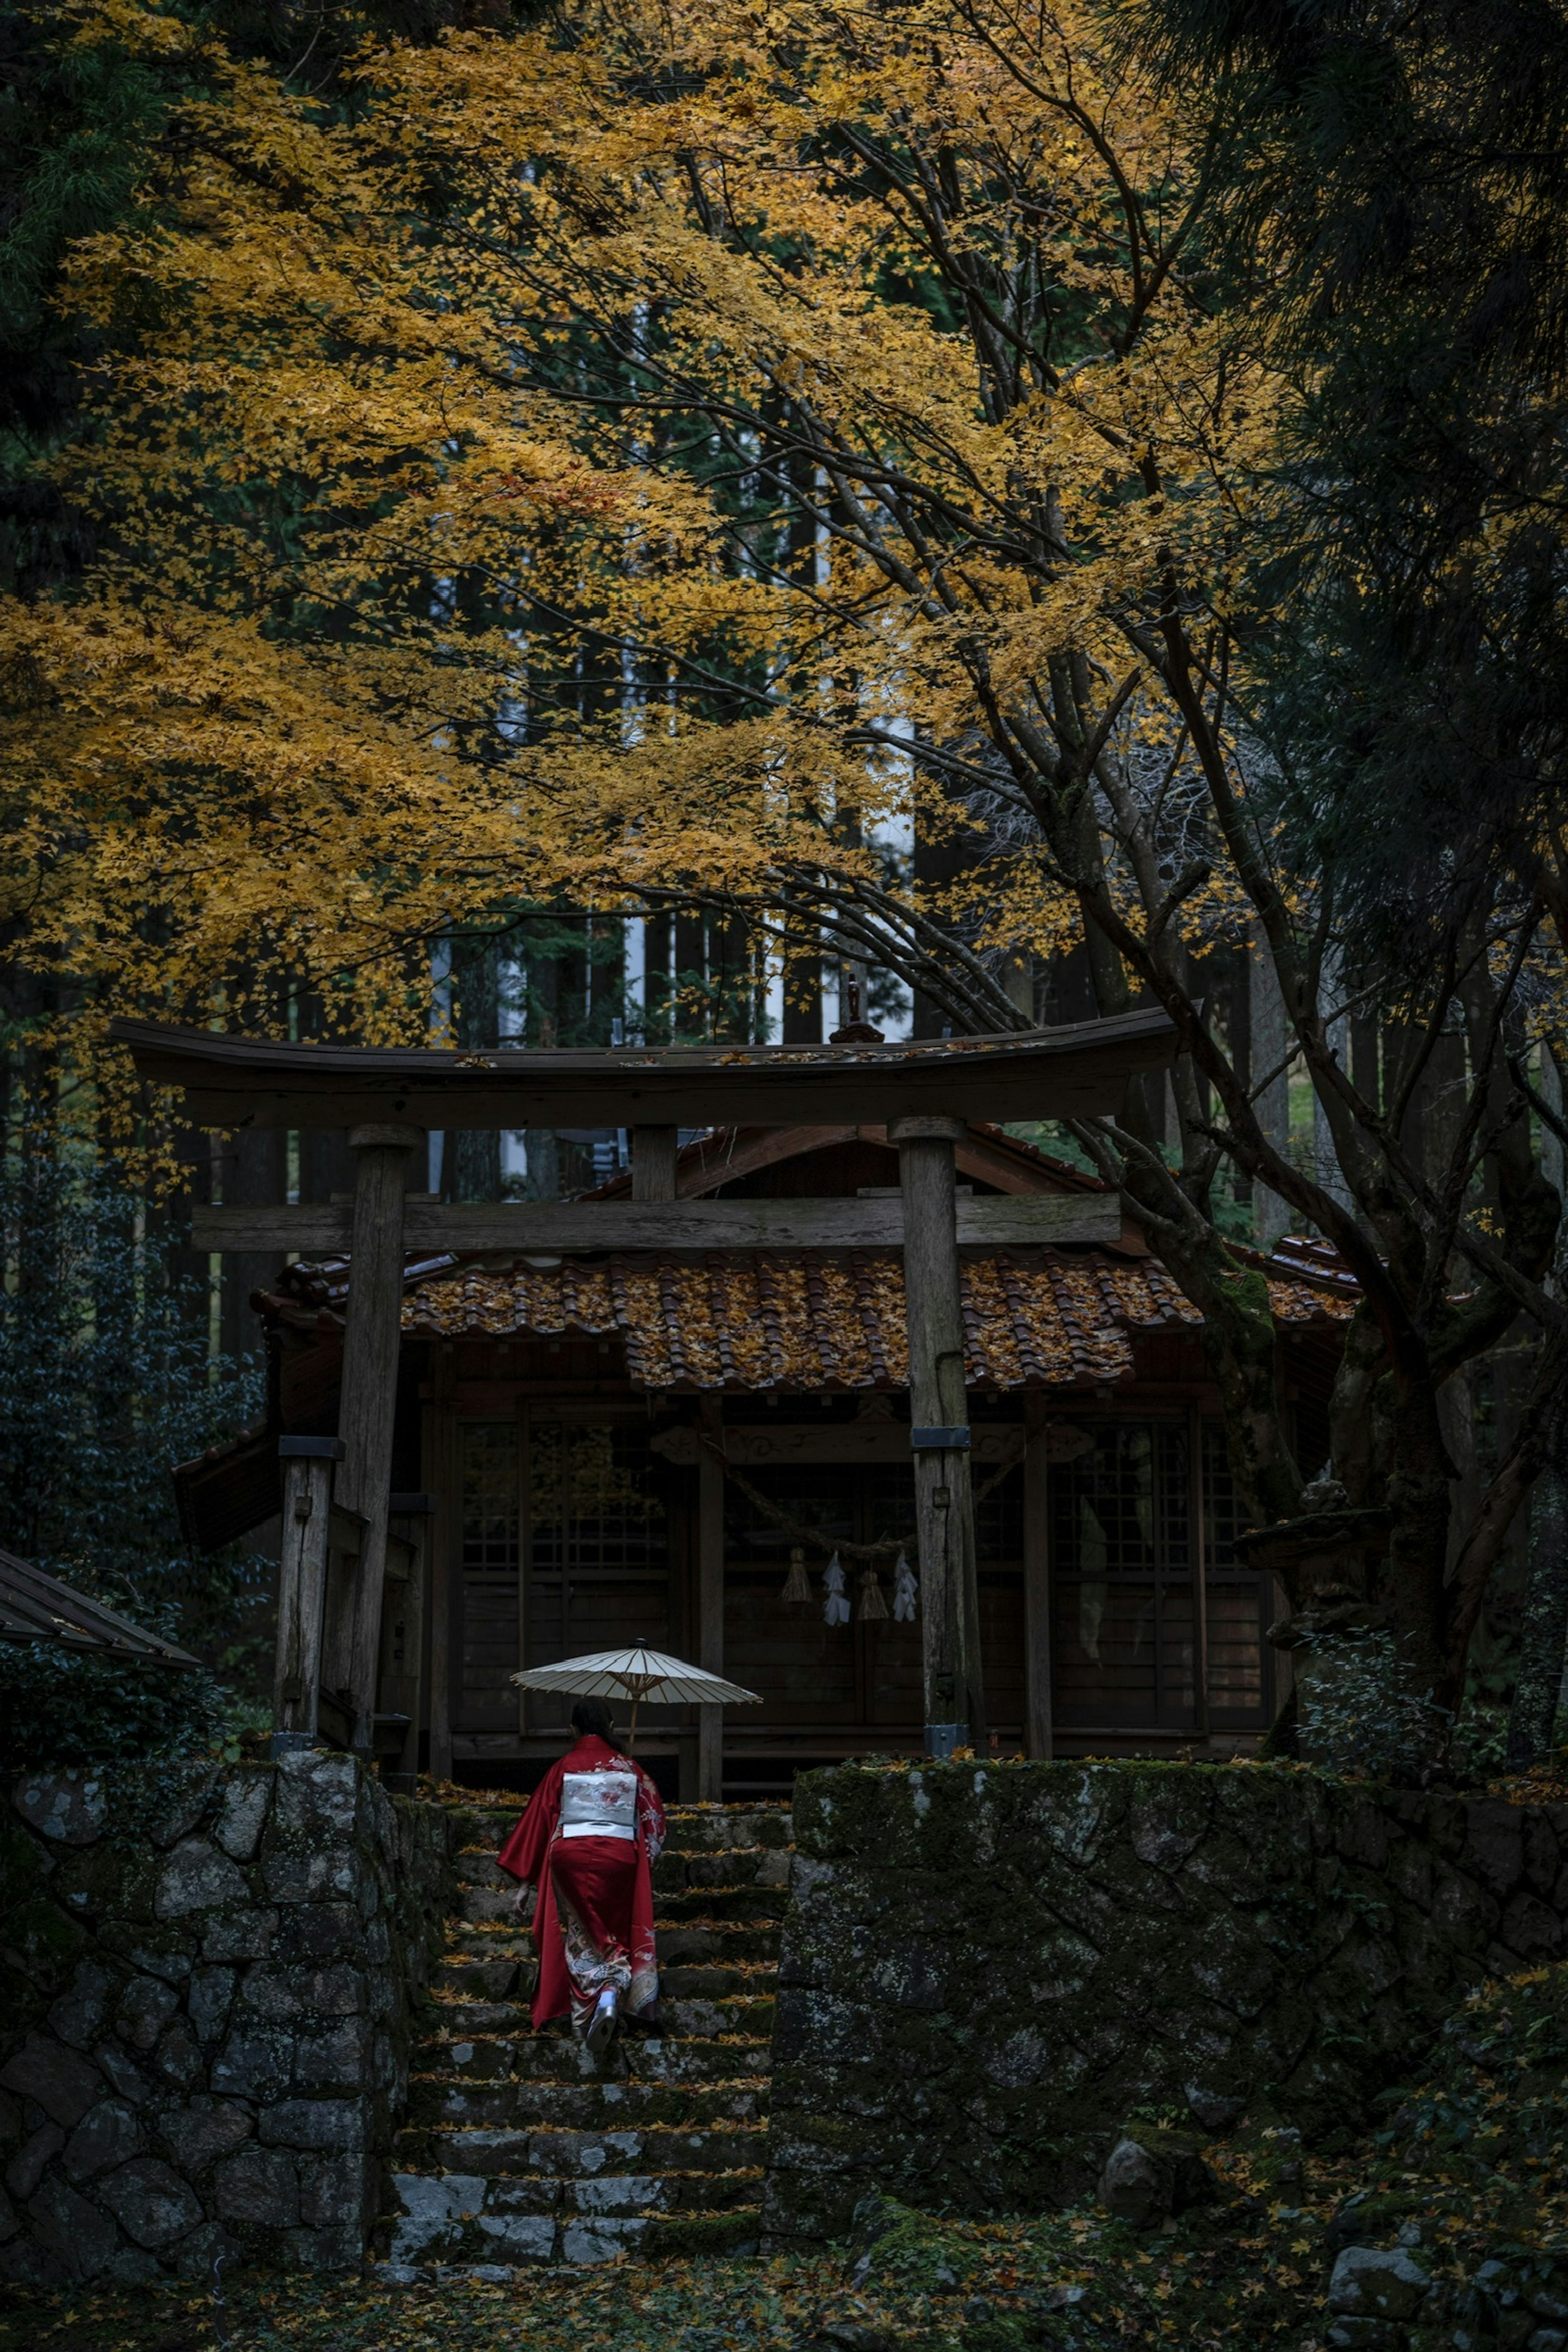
872 1601
796 1593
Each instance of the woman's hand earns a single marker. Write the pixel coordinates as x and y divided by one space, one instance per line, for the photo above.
522 1903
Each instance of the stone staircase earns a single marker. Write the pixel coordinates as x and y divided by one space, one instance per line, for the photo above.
518 2149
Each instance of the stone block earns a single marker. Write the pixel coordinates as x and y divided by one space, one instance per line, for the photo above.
1377 2283
332 2058
197 2135
243 1814
599 2241
123 2072
107 2134
337 1992
1543 1855
432 2210
150 2202
64 2083
143 2010
197 1877
169 1958
1531 1928
179 2060
260 2185
68 1808
1494 1844
337 2190
338 2248
180 1795
209 1997
240 1935
78 2015
619 2192
330 2123
254 2065
520 2237
10 2219
131 2266
278 1994
73 2231
321 1933
318 1795
43 1942
32 2159
310 1877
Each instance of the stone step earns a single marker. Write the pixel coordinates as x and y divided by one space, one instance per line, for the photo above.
467 1976
743 1865
673 1904
683 2018
524 2057
486 1904
554 2154
446 2217
730 1936
520 2149
512 1976
715 1981
726 1942
764 1868
694 1829
584 2105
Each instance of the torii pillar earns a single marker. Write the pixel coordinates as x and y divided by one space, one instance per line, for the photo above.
939 1432
371 1341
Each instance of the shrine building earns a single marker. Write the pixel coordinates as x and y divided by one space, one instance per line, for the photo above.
599 1446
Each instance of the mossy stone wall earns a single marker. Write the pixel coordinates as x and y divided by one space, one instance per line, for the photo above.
207 1976
987 1970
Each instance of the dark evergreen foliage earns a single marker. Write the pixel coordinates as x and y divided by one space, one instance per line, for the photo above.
106 1383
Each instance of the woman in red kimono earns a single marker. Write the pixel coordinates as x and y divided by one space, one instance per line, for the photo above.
584 1846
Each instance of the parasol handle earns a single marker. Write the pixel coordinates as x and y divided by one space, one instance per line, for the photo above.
632 1733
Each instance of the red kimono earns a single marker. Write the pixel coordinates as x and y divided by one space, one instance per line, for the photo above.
593 1921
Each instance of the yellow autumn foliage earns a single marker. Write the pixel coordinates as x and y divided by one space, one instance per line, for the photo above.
652 453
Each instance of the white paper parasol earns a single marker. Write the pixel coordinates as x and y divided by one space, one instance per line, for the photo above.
636 1675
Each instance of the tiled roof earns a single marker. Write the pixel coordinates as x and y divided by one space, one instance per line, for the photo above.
820 1319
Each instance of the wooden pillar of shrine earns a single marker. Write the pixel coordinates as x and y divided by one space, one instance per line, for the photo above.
301 1588
372 1343
655 1151
1039 1720
710 1601
939 1433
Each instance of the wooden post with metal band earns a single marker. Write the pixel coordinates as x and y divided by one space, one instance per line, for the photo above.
939 1432
710 1600
372 1340
302 1587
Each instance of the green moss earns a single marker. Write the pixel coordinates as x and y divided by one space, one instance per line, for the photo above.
912 2249
700 2235
111 1879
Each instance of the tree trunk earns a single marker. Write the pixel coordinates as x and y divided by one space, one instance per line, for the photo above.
1544 1628
476 1151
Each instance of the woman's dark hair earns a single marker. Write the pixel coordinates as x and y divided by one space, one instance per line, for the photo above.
591 1715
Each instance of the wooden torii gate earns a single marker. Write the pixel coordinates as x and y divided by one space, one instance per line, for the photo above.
389 1100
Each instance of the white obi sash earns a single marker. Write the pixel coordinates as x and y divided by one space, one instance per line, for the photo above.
599 1804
